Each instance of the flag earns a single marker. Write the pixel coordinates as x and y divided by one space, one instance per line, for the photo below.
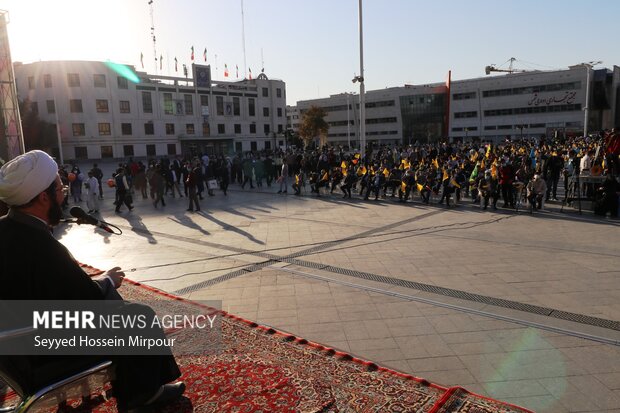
225 70
204 54
488 151
237 71
142 59
445 175
176 65
420 187
192 57
250 70
161 62
435 163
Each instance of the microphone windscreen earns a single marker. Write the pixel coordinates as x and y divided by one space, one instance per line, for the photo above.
77 212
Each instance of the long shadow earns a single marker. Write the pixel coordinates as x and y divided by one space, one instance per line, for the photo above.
187 222
237 212
229 227
353 202
138 227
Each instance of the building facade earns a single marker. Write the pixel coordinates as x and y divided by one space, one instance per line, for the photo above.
105 110
489 109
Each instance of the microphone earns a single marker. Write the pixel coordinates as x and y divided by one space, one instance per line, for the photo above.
84 218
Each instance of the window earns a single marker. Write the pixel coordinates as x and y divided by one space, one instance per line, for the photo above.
99 80
252 128
30 82
266 112
168 104
189 104
266 128
219 105
106 152
206 129
124 104
172 149
128 150
253 146
238 147
122 82
280 128
75 105
149 128
265 92
462 115
51 107
463 96
189 129
73 79
279 112
104 129
204 100
236 107
267 145
221 128
81 152
47 81
78 129
126 128
278 92
169 128
150 150
251 107
102 105
147 102
237 128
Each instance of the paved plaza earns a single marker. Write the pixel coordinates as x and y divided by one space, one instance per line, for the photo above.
519 307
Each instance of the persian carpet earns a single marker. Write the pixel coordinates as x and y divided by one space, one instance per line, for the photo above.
259 369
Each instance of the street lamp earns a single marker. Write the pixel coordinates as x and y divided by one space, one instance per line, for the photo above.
520 127
466 134
360 79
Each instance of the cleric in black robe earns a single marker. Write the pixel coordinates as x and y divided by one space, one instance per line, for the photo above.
35 266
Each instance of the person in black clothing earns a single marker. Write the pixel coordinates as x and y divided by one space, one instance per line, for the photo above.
553 170
34 192
97 173
606 198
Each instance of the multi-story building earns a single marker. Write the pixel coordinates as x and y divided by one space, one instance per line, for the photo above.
489 108
105 110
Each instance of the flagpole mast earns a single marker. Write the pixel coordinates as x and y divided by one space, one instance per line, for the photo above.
362 87
245 66
152 11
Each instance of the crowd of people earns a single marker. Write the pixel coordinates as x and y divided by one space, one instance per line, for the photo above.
525 173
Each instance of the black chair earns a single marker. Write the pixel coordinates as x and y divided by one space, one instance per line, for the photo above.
90 374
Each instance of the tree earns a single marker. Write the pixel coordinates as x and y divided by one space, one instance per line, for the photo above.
38 134
313 125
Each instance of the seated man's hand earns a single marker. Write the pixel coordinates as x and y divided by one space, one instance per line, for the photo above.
116 275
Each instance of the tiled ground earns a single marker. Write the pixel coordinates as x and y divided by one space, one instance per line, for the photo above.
559 261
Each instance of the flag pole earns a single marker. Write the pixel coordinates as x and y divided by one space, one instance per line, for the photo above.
362 87
245 66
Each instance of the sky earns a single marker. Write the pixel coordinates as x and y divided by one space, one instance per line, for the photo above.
313 45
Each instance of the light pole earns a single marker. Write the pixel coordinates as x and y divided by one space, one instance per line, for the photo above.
466 134
360 79
348 123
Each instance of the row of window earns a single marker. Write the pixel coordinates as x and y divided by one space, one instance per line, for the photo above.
105 129
464 115
81 152
533 126
73 80
535 109
465 129
99 80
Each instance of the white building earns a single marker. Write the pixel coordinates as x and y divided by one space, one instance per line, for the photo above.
107 110
488 108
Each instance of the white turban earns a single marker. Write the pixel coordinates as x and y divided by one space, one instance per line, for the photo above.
23 178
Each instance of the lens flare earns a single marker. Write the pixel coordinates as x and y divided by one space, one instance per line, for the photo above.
123 70
531 356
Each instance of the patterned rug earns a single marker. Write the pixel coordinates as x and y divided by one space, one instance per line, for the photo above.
260 369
